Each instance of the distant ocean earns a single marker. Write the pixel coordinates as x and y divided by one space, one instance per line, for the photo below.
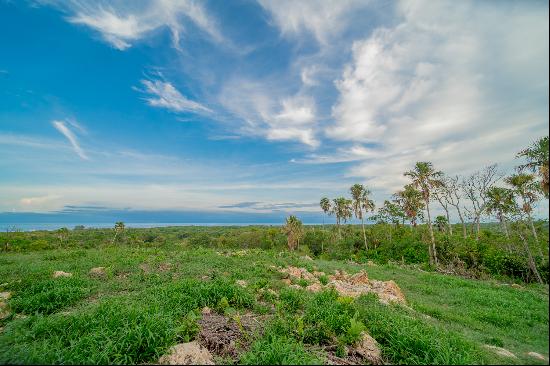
55 226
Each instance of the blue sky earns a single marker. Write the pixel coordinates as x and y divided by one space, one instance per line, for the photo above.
258 107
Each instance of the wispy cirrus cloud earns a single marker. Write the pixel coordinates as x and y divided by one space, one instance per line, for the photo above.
269 111
65 131
163 94
265 206
121 24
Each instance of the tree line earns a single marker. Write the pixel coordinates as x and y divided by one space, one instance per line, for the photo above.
486 193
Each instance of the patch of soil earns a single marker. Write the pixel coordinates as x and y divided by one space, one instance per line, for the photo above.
226 337
146 268
4 311
165 267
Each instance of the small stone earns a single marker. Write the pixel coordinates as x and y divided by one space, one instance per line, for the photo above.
500 351
5 295
97 272
537 356
241 283
314 287
57 274
190 353
206 310
368 349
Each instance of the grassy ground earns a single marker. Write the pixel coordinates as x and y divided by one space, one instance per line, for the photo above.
146 302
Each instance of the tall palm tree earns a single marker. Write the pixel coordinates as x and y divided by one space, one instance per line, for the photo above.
501 203
426 178
343 211
525 186
326 207
360 202
294 231
537 161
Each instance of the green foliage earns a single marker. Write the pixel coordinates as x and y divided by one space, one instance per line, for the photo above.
49 296
188 328
405 339
278 350
292 299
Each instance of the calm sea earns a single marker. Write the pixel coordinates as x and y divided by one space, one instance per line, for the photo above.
55 226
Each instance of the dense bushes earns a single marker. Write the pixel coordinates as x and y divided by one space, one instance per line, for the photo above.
493 254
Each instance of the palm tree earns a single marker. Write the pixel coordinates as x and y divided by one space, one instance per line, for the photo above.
325 206
294 231
360 202
500 203
63 234
537 161
426 178
342 209
410 202
119 229
525 187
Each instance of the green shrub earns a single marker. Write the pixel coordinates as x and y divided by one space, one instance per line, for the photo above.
278 350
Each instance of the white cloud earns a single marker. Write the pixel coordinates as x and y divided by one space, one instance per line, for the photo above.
165 95
270 114
446 85
38 203
322 18
123 23
62 127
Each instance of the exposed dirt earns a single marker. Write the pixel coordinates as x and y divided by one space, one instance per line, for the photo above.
165 267
241 283
347 285
57 274
4 311
226 337
190 353
98 272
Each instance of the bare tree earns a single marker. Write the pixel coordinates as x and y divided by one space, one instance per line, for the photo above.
451 193
441 193
475 188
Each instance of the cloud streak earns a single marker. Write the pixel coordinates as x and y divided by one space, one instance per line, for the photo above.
65 131
122 24
164 95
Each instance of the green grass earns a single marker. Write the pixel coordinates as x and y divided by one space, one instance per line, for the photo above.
151 297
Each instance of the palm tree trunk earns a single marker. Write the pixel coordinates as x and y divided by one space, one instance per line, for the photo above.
505 229
534 231
432 238
530 259
364 235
